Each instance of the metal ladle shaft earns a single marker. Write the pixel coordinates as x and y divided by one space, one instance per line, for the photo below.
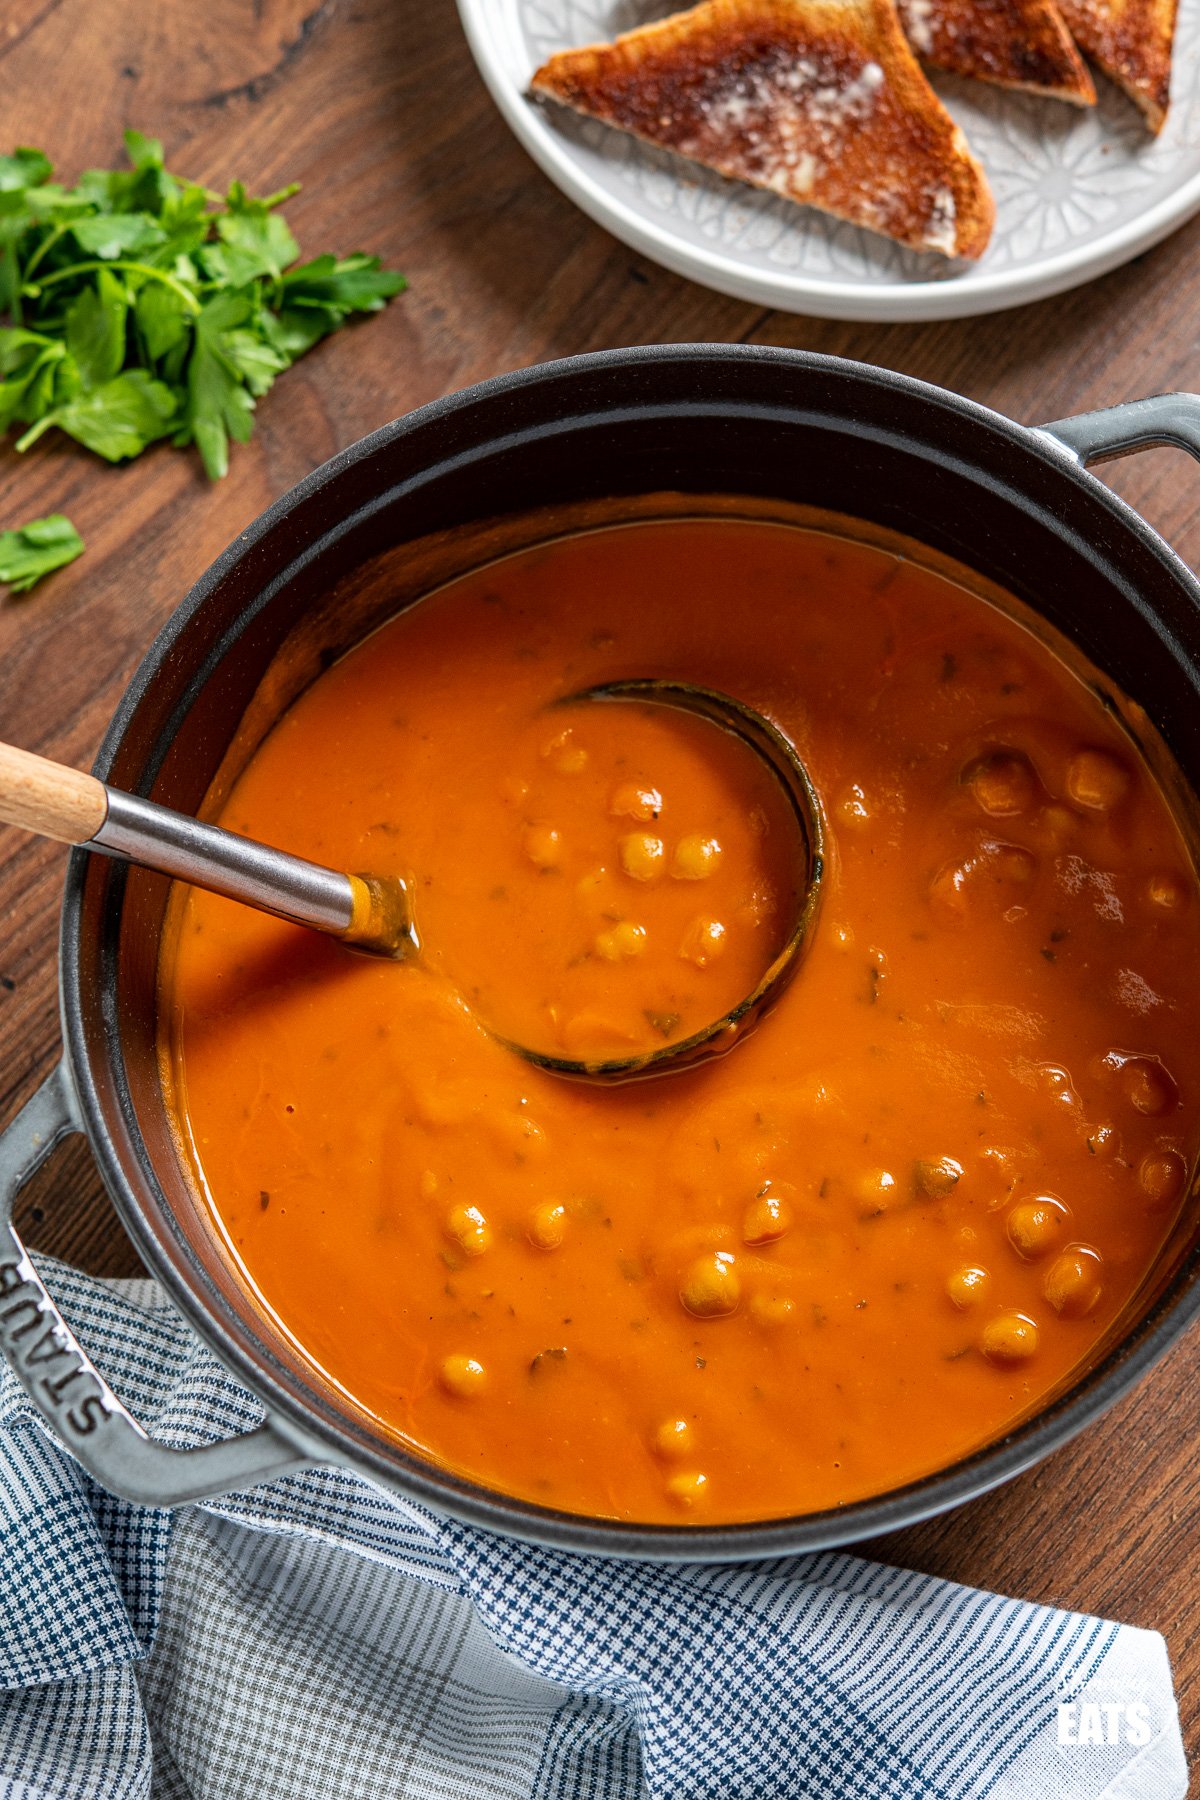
371 912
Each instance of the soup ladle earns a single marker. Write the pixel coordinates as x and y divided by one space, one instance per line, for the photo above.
779 754
374 913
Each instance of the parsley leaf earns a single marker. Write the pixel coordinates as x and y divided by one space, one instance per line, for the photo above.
340 285
95 327
117 419
32 365
117 234
218 405
256 241
162 320
34 550
142 306
23 169
143 152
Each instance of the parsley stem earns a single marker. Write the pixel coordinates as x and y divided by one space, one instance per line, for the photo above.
47 243
134 268
35 431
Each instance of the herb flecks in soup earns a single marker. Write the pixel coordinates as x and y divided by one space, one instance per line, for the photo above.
858 1247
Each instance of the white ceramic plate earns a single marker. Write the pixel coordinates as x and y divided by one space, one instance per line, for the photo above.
1077 193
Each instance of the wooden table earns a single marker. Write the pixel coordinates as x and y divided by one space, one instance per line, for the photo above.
376 107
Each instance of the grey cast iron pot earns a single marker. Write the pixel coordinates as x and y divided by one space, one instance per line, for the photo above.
1013 503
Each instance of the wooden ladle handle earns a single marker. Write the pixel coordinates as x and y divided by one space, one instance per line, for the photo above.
49 798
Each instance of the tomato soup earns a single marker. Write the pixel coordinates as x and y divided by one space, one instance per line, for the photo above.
885 1227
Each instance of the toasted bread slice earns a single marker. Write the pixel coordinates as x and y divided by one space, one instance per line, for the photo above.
1132 41
1014 43
820 100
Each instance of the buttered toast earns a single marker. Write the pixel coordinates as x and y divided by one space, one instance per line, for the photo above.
822 101
1133 42
1014 43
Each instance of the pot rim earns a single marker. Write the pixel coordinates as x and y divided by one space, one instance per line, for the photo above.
442 1491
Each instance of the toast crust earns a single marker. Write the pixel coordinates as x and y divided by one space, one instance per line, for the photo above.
1021 44
820 100
1132 41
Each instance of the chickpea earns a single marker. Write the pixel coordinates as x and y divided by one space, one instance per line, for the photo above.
590 887
1056 1083
642 855
1104 1142
935 1177
519 1134
696 858
877 1192
1009 1338
1097 781
968 1286
428 1185
469 1229
688 1490
997 875
1056 825
1003 783
1008 866
1011 868
1034 1226
543 846
999 1173
711 1287
1161 1175
772 1309
766 1219
462 1376
1148 1087
760 906
853 808
564 754
633 802
1072 1282
621 941
548 1225
1167 891
703 942
673 1439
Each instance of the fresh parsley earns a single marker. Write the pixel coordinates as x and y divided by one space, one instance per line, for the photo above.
33 550
142 306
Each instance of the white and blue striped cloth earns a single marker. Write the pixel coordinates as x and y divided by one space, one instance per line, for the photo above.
320 1640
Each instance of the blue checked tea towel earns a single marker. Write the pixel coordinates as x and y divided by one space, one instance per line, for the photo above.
319 1639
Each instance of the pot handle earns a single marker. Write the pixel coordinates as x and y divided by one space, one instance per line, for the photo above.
1161 419
61 1379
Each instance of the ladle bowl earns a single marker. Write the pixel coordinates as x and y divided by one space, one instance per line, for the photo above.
781 757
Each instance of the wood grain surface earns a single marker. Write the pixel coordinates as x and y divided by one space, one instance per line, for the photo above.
376 107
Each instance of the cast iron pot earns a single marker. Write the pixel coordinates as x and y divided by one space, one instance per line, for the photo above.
1013 503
